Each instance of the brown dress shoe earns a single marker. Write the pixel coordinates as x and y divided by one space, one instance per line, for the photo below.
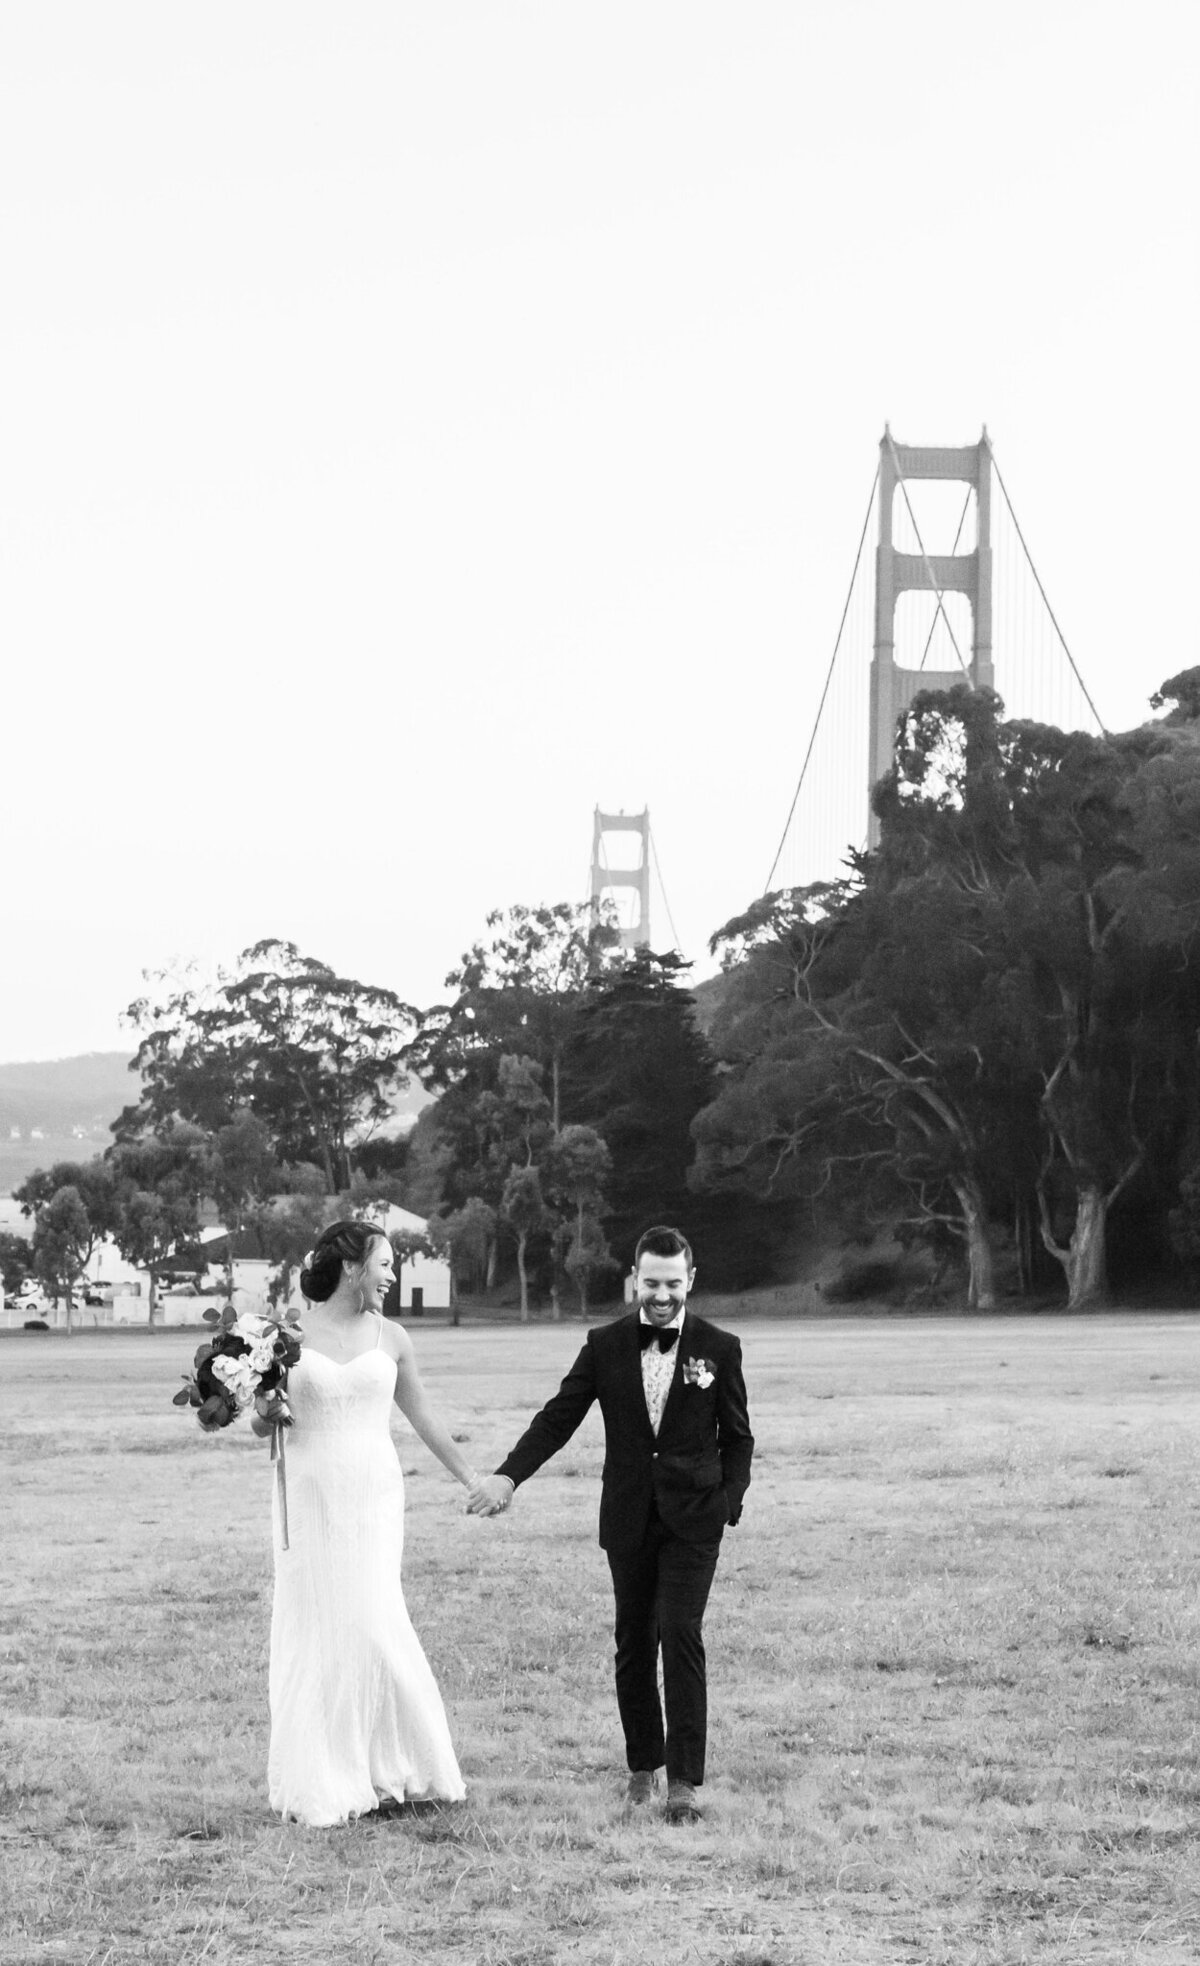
640 1787
683 1804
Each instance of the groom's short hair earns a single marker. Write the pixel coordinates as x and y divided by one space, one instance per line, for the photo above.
662 1241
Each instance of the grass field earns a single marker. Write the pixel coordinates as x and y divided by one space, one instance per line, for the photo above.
953 1654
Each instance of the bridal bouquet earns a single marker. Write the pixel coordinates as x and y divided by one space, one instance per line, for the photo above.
243 1365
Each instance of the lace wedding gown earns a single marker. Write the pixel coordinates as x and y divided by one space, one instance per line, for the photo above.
355 1710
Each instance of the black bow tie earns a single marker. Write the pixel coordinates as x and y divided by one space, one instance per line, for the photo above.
651 1334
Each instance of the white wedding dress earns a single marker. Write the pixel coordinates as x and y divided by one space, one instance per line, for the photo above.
355 1710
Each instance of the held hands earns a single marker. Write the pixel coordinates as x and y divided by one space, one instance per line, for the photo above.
490 1495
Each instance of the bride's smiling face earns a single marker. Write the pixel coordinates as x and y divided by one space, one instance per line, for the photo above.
377 1274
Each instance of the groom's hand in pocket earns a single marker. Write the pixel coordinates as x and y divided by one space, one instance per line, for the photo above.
490 1495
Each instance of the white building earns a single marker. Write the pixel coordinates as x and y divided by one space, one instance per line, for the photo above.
119 1292
428 1275
424 1280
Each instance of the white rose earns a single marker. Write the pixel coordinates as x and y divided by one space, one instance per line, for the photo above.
235 1375
251 1327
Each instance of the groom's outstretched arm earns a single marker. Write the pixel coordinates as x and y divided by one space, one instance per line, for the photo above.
553 1426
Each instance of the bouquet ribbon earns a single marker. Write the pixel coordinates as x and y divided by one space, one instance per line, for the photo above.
279 1456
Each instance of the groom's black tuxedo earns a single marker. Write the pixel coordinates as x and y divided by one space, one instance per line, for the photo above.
665 1502
696 1471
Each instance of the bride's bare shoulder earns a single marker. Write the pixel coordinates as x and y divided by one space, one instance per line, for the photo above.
394 1339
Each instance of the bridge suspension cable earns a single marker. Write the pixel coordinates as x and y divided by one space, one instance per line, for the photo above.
1041 590
962 520
825 691
663 889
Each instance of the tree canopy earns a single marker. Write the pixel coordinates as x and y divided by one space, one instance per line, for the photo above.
994 1015
315 1056
981 1037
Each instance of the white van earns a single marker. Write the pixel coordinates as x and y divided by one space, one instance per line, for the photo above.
31 1300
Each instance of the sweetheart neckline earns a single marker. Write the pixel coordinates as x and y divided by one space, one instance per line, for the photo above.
340 1365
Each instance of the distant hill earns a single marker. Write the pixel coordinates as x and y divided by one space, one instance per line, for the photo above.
60 1109
63 1109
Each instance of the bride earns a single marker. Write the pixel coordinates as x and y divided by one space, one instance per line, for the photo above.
356 1716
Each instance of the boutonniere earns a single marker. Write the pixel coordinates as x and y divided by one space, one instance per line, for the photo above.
698 1372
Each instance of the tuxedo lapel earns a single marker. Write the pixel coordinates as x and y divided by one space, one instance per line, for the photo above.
633 1394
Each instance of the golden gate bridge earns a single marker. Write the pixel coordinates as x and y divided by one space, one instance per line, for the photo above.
951 594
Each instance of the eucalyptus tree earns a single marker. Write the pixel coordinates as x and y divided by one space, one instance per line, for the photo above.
74 1205
637 1072
1003 990
161 1181
853 1067
576 1167
517 993
315 1056
64 1237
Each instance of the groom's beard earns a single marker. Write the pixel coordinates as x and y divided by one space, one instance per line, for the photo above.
660 1314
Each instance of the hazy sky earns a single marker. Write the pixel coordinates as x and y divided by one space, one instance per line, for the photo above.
420 423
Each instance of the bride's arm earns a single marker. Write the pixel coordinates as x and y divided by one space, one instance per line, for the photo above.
413 1402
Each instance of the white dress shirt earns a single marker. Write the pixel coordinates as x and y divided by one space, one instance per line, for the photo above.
658 1369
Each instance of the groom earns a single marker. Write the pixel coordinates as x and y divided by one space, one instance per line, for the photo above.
676 1466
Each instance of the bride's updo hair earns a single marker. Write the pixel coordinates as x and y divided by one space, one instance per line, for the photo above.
341 1242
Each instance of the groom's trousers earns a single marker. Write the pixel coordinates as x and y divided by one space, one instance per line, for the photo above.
661 1590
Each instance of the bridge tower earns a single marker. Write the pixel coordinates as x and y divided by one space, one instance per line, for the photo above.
605 878
892 687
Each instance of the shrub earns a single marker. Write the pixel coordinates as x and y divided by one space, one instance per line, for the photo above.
873 1277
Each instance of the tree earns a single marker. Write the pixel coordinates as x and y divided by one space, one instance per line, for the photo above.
637 1072
63 1240
16 1261
576 1164
588 1255
523 1209
74 1206
1184 1222
1182 693
288 1225
422 1184
92 1179
315 1056
611 1043
851 1040
1091 878
1004 988
243 1173
160 1181
243 1169
519 992
471 1238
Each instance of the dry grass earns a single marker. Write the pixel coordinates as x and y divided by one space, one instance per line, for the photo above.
953 1657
